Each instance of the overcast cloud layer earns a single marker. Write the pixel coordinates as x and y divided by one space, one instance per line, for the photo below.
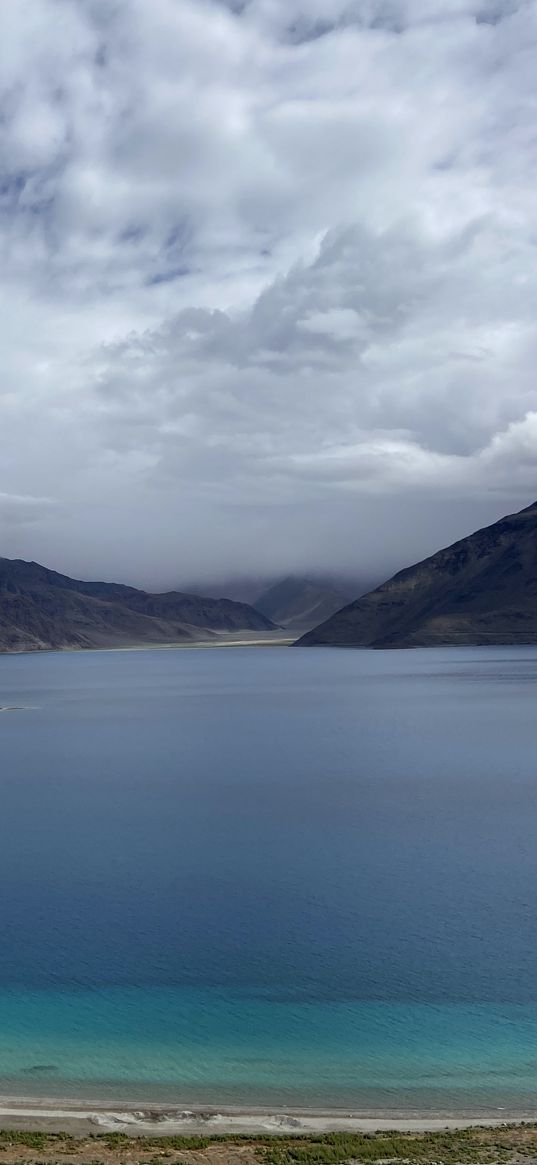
268 281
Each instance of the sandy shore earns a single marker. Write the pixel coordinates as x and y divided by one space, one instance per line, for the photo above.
279 638
53 1115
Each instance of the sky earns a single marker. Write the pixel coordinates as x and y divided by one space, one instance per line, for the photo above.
268 282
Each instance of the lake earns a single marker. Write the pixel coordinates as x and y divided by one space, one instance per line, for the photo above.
270 875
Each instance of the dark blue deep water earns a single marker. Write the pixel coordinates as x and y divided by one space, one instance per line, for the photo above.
304 876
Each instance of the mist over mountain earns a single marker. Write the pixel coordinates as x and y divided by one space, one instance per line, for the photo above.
252 588
296 602
481 590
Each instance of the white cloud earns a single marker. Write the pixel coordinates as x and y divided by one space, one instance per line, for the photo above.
261 263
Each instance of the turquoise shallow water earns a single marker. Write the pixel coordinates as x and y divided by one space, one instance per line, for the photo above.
253 876
213 1047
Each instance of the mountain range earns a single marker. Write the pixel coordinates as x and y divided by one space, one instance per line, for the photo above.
41 609
481 590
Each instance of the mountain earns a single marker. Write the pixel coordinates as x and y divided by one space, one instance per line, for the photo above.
481 590
244 589
296 602
41 609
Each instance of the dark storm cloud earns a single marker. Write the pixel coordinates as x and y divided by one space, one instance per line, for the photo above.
268 280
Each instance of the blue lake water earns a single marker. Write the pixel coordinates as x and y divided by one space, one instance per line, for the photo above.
270 875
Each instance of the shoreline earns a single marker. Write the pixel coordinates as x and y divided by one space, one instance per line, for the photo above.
48 1114
278 638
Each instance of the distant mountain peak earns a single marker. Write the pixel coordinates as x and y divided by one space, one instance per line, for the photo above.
299 602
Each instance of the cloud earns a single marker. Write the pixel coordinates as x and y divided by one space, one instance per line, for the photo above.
17 510
268 276
395 333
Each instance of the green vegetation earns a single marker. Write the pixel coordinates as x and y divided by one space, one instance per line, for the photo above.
476 1146
33 1140
335 1148
146 1144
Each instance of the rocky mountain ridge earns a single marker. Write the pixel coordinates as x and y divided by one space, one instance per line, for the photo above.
480 590
41 609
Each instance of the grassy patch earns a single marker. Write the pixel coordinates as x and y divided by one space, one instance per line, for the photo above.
457 1147
477 1146
35 1140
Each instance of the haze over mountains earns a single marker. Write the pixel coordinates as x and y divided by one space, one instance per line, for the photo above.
41 609
481 590
296 602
